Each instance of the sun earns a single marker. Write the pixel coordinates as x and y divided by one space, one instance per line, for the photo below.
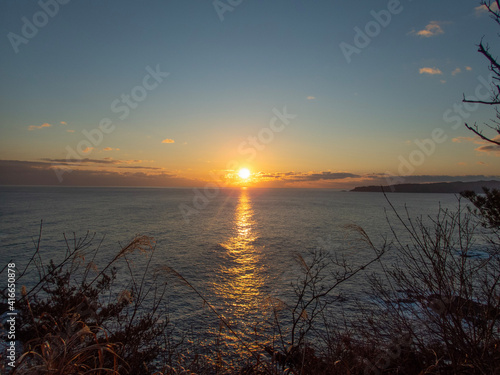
244 173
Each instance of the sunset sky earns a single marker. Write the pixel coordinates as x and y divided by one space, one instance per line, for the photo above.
302 94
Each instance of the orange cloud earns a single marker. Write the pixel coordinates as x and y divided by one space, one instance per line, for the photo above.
432 29
42 173
110 149
70 131
468 68
311 97
34 127
456 71
482 9
430 71
466 139
87 149
490 148
63 123
485 146
168 141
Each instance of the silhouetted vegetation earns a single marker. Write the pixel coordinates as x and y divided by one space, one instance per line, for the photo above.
435 308
74 319
487 206
493 8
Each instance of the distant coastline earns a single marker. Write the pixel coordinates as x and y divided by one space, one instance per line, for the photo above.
438 187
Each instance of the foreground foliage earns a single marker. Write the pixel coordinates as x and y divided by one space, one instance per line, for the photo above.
434 308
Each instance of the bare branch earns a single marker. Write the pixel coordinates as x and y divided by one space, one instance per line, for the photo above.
480 135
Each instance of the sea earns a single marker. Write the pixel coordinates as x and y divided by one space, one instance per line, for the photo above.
240 251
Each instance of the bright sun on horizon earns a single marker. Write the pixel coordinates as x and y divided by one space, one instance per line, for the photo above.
244 173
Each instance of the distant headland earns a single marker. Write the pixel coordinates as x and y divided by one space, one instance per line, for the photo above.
438 187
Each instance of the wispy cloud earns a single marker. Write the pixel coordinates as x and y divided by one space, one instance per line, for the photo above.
87 149
347 180
139 167
311 97
468 68
309 176
431 71
432 29
70 131
482 9
110 149
107 160
100 172
168 141
456 71
465 139
19 172
35 127
63 123
83 161
490 148
485 146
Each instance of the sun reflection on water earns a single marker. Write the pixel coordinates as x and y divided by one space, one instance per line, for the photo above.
241 281
241 278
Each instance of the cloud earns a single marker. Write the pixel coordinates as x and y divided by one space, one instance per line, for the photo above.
485 146
139 167
311 176
34 127
347 180
168 141
18 172
430 71
63 123
43 172
456 71
325 176
87 149
468 68
490 148
482 9
70 131
311 97
110 149
432 29
82 161
465 139
481 163
90 161
423 179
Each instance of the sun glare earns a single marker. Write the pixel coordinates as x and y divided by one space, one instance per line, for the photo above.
244 173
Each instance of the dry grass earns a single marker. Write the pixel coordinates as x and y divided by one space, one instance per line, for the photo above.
437 312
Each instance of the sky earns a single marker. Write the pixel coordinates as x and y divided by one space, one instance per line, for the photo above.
327 94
